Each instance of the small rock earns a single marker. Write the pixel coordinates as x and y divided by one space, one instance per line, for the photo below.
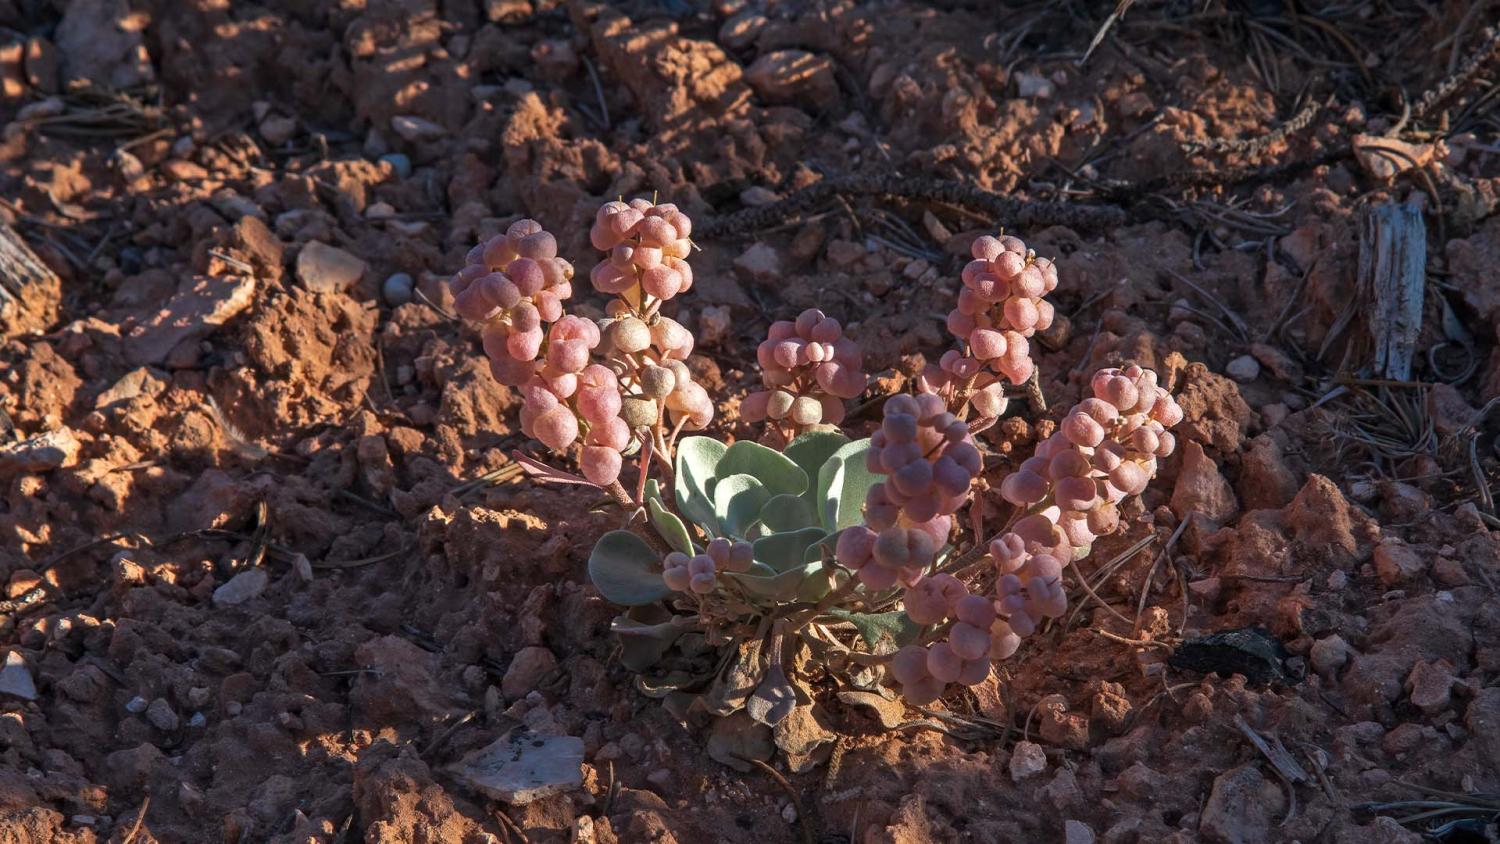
399 162
713 324
328 269
15 678
161 716
397 289
182 170
1397 563
760 262
1431 686
1033 85
42 453
380 211
1328 655
136 705
1201 489
1242 807
794 76
416 129
1027 760
1243 368
278 130
523 767
245 586
757 195
1077 832
530 666
741 30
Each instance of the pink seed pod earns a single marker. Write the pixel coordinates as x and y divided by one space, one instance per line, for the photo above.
557 428
1024 488
909 665
855 547
1082 430
969 642
943 663
600 465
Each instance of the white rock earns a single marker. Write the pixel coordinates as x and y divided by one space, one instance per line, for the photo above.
136 705
327 269
1243 368
245 586
15 678
759 262
1027 760
1328 655
523 767
1033 85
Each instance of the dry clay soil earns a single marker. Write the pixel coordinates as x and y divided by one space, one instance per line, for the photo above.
225 240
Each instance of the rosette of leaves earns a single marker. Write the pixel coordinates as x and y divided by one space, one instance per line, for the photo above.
789 505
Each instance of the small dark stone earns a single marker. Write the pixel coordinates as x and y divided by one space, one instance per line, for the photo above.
1250 651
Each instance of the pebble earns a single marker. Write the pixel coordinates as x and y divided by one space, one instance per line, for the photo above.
245 586
397 289
15 678
278 130
713 324
1243 368
136 705
380 211
328 269
524 767
416 129
399 162
1077 832
1033 85
161 716
530 666
1328 655
1027 760
759 262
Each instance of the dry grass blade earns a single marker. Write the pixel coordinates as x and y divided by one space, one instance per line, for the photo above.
140 818
1120 9
791 793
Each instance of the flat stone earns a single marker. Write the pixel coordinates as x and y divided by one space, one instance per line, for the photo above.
416 129
245 586
41 453
200 306
161 716
1077 832
328 269
524 767
1328 655
759 262
137 382
15 678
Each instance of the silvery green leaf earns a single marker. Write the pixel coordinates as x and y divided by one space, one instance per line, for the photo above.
788 512
774 698
842 484
738 500
644 644
897 627
775 472
780 587
625 570
669 526
810 451
788 550
694 469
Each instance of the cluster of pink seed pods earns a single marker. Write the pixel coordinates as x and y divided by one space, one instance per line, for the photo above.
808 367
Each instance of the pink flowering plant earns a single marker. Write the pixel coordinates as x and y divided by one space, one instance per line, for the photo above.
866 550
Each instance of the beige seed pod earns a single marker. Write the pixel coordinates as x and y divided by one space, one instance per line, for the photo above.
780 404
657 382
638 412
630 335
807 410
